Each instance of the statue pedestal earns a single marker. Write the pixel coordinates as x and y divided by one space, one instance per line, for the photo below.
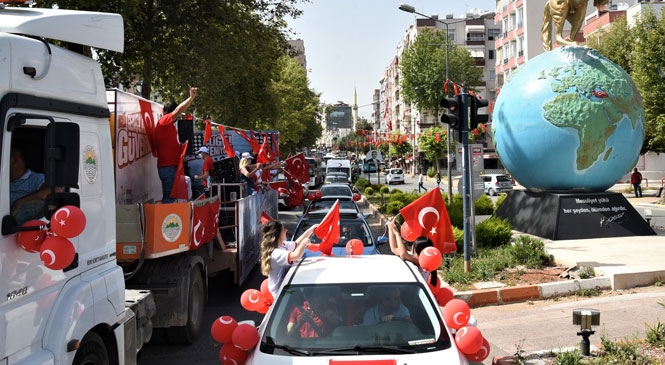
560 216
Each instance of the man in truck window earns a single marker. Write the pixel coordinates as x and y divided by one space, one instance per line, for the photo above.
167 144
27 189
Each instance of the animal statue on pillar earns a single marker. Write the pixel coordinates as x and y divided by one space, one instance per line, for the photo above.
557 12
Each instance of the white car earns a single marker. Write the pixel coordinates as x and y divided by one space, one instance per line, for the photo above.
497 183
395 176
345 292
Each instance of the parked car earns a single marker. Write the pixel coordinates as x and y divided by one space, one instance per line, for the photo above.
395 176
497 183
352 224
347 290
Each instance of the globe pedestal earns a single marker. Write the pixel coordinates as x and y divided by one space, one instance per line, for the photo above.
568 216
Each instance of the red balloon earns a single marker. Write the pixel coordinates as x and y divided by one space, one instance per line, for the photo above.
31 240
430 258
449 247
469 340
318 194
407 233
57 252
245 336
263 309
222 329
444 295
231 355
482 353
456 313
354 247
265 292
68 221
311 196
251 299
356 197
436 286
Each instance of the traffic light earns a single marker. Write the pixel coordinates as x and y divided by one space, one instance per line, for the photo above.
476 103
453 116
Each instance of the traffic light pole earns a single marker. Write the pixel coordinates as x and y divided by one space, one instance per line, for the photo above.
466 178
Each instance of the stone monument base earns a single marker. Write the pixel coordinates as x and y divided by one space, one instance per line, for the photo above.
563 216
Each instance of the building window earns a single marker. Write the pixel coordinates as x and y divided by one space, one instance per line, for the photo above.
490 55
493 34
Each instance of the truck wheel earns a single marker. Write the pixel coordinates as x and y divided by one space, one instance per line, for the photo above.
196 299
92 351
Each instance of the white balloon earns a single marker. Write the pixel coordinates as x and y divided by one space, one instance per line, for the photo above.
473 321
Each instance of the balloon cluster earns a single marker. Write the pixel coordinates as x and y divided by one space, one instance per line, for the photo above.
237 338
314 195
257 300
469 339
55 249
456 312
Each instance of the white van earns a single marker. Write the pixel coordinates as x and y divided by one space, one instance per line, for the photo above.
339 165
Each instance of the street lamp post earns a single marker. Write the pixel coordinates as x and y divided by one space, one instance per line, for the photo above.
410 9
466 179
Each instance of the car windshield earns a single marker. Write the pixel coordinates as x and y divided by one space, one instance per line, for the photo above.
327 204
396 171
349 228
349 318
336 190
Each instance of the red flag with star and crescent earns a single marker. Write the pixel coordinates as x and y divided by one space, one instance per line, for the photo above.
265 153
297 167
328 230
427 216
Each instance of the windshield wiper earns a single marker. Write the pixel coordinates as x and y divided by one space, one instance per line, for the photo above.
366 349
287 348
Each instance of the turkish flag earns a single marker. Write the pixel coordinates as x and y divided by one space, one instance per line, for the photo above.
265 154
265 217
230 152
427 216
148 124
253 143
179 188
328 230
208 131
297 167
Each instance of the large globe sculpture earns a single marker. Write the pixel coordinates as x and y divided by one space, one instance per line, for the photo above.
569 120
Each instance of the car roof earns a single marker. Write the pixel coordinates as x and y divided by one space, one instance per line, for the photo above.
340 269
343 213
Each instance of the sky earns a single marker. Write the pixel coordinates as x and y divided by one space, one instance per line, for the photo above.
349 43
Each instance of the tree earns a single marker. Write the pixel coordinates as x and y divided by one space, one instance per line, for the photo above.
640 52
297 107
229 49
423 69
434 149
648 74
616 43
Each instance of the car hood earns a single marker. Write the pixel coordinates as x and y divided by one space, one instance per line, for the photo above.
450 356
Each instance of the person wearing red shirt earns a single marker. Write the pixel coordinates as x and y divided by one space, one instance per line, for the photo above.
208 166
167 144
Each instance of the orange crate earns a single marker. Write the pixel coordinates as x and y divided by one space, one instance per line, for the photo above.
168 228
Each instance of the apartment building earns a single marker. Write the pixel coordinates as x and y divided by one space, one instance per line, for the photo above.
474 33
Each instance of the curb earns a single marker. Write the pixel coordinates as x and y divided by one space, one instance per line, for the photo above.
515 294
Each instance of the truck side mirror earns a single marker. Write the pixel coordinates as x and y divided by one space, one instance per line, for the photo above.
61 156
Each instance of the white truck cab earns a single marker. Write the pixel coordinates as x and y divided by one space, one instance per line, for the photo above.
53 108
